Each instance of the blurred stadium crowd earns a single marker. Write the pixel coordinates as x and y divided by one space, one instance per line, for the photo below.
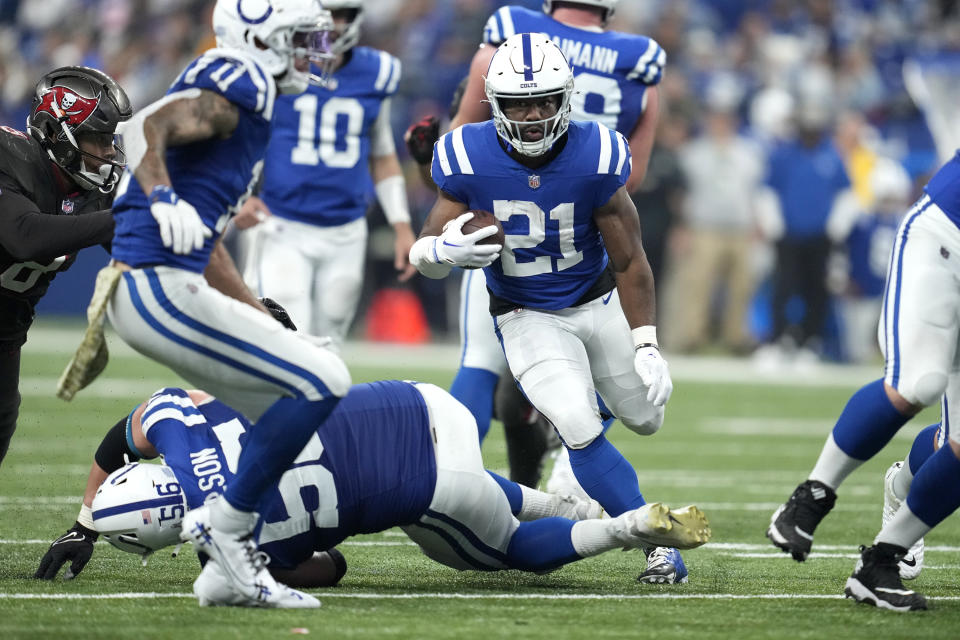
752 88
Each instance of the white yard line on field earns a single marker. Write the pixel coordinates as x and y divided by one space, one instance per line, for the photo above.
466 596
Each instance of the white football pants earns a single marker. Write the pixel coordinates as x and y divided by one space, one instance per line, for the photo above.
563 358
479 346
469 524
315 273
237 353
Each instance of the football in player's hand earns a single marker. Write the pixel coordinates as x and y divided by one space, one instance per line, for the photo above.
480 220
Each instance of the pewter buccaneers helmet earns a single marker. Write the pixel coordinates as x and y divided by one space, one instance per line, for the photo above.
276 33
70 102
608 6
139 508
529 65
348 38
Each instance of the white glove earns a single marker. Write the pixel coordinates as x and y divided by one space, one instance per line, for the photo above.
180 225
653 370
460 250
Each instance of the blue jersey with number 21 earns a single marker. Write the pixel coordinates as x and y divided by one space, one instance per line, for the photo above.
371 467
317 167
552 251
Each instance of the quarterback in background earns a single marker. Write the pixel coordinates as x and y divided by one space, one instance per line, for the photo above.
572 293
325 146
192 156
56 186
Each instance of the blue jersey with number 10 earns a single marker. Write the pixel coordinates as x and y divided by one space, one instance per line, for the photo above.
211 174
317 164
611 70
552 251
370 467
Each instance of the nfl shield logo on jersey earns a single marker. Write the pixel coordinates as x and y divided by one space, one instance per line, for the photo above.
533 181
67 206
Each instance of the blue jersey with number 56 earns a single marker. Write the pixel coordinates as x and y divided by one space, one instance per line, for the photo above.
212 174
317 164
553 252
370 467
611 70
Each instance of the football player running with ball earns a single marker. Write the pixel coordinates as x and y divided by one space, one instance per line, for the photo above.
56 184
572 294
192 156
391 454
325 147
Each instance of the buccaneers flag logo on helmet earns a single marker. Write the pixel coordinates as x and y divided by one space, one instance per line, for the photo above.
59 102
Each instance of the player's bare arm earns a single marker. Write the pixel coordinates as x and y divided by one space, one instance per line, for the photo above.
641 138
222 274
445 209
192 116
473 105
443 245
391 190
619 226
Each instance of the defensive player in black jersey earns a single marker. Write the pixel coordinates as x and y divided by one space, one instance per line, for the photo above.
56 182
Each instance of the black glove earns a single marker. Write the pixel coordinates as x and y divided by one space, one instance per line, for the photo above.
279 313
76 546
420 138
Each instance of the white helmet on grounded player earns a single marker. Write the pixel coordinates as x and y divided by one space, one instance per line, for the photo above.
608 6
348 37
278 34
139 508
529 65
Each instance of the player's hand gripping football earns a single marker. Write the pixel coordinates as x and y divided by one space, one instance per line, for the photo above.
75 547
180 225
460 250
653 370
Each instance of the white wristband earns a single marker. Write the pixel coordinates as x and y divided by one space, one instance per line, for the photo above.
424 257
392 194
86 517
645 336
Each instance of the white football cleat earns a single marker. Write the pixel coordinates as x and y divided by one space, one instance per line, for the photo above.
657 525
242 565
561 480
911 564
213 589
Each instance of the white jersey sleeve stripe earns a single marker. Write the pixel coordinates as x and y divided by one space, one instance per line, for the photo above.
621 151
383 74
605 149
395 76
507 19
440 149
458 148
643 64
491 32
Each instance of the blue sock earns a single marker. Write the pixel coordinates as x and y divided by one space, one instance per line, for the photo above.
513 491
604 411
273 443
868 422
474 389
922 447
606 476
935 492
542 545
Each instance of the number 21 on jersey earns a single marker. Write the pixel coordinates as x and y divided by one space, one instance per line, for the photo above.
536 234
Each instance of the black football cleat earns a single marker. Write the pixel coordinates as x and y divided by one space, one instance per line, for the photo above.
876 580
792 525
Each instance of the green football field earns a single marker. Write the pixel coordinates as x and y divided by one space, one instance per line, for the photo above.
735 442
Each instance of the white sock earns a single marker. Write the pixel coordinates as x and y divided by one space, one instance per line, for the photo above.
225 517
536 504
833 466
902 481
593 537
904 530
